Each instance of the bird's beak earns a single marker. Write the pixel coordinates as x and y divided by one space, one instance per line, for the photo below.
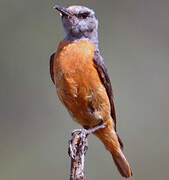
63 10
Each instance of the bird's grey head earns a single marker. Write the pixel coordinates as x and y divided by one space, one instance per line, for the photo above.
79 23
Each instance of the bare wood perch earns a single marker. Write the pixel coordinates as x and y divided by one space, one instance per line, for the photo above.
78 146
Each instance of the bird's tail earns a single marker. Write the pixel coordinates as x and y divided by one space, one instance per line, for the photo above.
122 164
110 139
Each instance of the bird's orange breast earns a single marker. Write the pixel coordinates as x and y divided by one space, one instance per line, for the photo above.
78 83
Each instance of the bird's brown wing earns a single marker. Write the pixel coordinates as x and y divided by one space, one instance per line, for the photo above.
102 71
51 67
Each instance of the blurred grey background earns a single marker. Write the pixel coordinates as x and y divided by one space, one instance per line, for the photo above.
34 125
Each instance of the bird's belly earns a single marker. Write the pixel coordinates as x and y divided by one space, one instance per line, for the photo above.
82 92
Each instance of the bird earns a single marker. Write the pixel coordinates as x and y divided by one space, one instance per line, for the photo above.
82 82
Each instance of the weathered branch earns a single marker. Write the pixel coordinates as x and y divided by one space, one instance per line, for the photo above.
78 146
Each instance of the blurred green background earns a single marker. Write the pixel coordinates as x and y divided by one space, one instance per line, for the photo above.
34 125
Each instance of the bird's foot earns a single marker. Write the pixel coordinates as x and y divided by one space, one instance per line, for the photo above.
78 143
72 150
79 139
85 132
92 130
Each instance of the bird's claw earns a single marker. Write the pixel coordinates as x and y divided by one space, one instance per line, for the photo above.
72 150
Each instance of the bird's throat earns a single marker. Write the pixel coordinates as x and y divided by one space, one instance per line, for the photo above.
91 36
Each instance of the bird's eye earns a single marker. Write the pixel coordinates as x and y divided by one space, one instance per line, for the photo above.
83 15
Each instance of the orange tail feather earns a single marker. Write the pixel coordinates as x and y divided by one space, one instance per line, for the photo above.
110 139
122 164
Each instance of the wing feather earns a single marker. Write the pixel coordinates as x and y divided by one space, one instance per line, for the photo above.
102 71
51 67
